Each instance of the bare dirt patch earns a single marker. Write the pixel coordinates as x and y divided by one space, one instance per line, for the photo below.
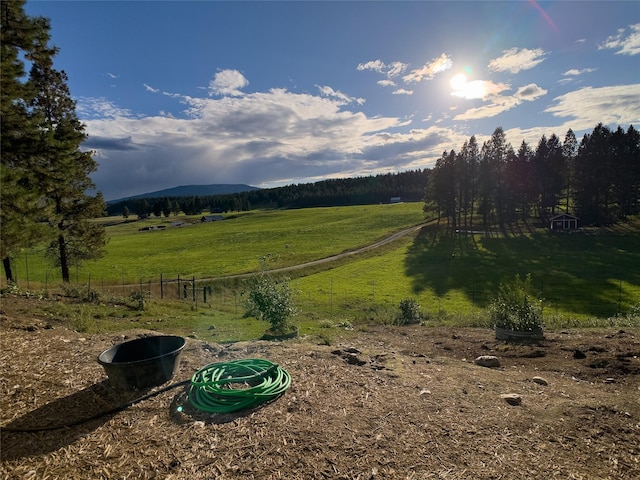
379 403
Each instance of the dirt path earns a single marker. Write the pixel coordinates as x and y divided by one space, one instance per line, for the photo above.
333 258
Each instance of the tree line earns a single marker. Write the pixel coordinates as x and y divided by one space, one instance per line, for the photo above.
45 174
596 179
407 186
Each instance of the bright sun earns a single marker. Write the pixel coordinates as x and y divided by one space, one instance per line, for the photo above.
458 81
464 88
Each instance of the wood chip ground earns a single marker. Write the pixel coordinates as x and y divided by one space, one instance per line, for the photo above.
414 406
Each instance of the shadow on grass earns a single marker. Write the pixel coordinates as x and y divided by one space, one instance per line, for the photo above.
596 274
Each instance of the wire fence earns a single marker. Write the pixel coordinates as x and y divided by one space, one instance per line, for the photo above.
337 299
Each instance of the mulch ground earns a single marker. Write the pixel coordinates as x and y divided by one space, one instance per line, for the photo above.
379 403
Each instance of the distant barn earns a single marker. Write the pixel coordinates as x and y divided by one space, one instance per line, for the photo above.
564 221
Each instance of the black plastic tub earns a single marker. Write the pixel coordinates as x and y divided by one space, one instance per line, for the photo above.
142 363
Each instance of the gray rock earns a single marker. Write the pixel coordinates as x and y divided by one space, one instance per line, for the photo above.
490 361
512 398
540 381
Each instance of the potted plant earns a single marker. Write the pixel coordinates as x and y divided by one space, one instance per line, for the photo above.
515 312
272 300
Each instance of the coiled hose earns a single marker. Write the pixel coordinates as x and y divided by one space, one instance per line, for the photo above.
230 386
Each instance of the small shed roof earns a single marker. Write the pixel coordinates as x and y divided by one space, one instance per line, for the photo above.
563 216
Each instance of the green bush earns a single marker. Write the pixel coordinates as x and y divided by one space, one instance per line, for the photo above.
139 298
271 300
516 307
409 312
84 294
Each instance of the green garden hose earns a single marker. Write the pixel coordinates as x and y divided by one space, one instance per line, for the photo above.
230 386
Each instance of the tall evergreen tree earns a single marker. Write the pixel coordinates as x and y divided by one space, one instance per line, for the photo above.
471 155
569 151
525 187
493 190
556 171
46 158
592 176
632 163
440 194
62 169
22 37
625 152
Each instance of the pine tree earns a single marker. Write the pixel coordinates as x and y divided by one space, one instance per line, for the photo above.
20 200
44 173
470 155
62 169
569 151
591 178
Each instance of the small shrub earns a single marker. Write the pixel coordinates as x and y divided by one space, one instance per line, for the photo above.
271 300
87 295
409 312
138 298
345 324
516 307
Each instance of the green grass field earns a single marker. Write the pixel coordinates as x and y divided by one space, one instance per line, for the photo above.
579 276
235 245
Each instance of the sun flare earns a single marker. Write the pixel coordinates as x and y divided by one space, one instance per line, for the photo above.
463 88
458 81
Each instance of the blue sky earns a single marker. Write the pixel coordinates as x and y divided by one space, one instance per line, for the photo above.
274 93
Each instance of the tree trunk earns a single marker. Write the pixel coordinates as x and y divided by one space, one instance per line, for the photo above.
64 259
6 261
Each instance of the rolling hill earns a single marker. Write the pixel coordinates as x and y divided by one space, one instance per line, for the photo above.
192 191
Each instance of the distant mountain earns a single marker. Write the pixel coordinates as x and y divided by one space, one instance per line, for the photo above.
192 191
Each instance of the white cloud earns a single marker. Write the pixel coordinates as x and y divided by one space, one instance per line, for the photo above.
386 83
338 95
390 70
627 43
148 88
589 106
515 60
90 107
111 75
375 65
395 68
259 138
575 72
481 89
530 92
502 103
402 91
428 71
228 82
